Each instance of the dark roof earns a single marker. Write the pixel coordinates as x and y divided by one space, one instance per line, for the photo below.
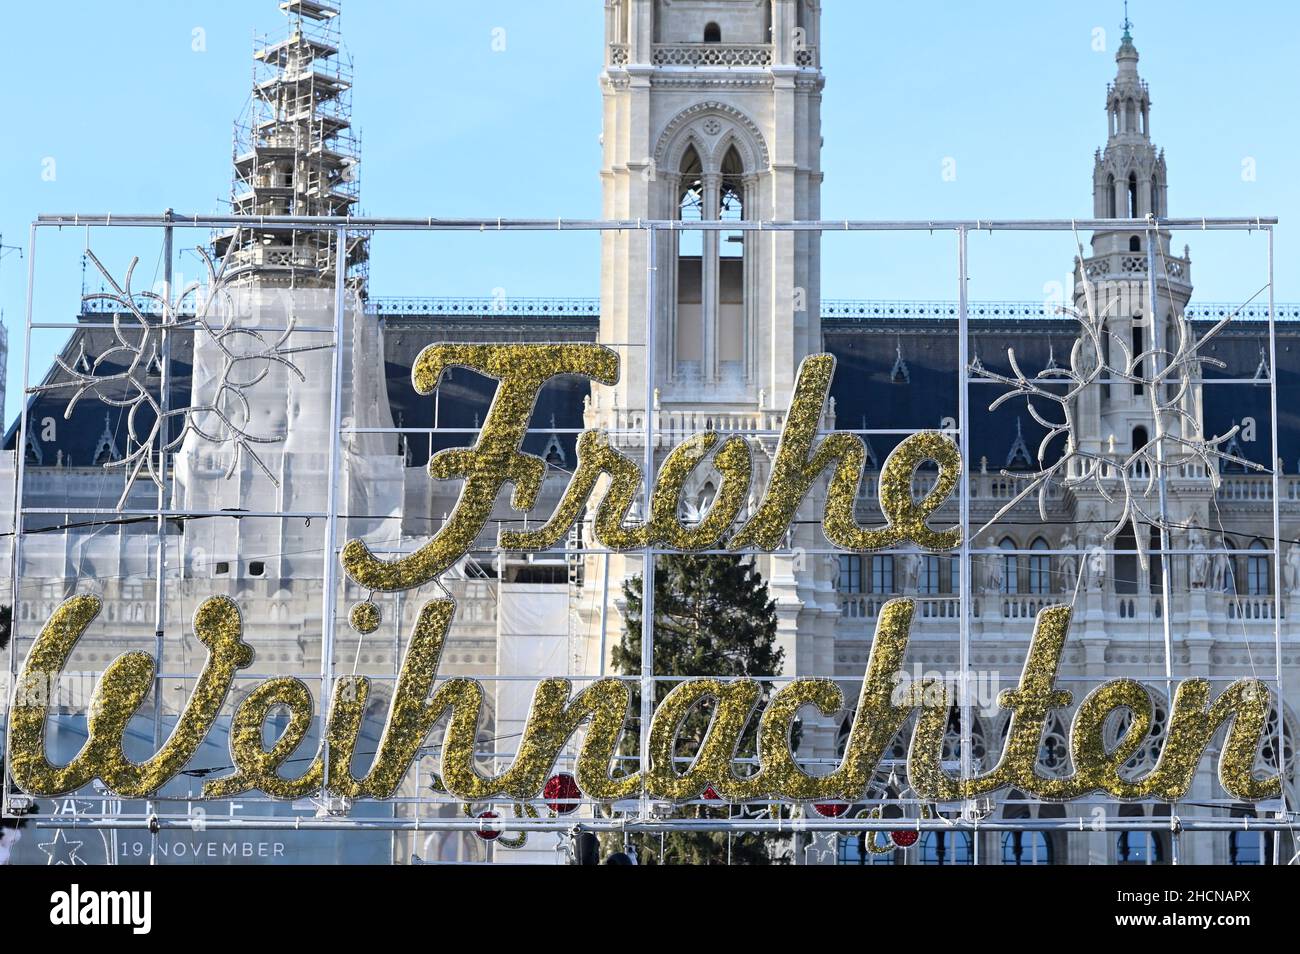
79 435
463 396
871 383
868 387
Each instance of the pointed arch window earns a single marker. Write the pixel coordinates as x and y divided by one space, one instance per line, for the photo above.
899 373
106 449
705 499
1132 195
1010 566
1259 581
1026 848
731 203
1139 345
554 453
1126 562
1249 847
930 571
1110 197
688 329
1227 463
850 580
1053 747
731 341
690 202
1018 457
1138 848
1040 568
882 573
711 342
946 848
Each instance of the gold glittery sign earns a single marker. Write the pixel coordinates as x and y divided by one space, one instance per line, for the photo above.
602 707
599 711
498 458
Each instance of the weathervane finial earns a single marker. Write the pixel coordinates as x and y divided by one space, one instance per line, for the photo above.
1128 24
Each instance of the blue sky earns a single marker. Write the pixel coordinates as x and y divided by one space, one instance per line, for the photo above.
135 119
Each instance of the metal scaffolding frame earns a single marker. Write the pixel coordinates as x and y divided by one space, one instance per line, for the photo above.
343 232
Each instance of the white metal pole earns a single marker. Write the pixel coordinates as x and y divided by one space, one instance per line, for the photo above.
160 543
1157 342
164 405
604 615
373 224
1280 746
329 598
648 559
16 548
965 570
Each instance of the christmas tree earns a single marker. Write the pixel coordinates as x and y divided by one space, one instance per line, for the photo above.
712 616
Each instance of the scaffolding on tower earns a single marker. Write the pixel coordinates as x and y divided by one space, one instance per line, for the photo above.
295 153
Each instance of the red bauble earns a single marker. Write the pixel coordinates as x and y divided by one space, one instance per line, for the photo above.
487 832
562 793
712 795
904 837
831 809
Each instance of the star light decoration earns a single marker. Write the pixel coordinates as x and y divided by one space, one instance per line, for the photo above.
60 850
121 375
1099 357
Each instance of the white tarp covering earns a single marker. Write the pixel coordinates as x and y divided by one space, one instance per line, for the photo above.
532 640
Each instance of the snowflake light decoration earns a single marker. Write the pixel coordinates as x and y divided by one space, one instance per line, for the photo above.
1166 376
120 376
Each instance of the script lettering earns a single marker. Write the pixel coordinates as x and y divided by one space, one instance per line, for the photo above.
556 715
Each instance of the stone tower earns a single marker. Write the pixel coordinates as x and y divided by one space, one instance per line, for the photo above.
712 111
1129 182
272 417
1119 416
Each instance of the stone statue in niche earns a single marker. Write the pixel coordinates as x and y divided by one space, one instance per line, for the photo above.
832 563
1096 568
992 573
1091 531
1221 575
1069 562
911 572
1199 561
1291 569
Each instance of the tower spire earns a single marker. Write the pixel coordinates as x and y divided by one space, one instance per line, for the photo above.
1129 185
1129 174
295 152
1127 57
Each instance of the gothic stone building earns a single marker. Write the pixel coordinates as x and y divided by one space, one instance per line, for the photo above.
711 111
